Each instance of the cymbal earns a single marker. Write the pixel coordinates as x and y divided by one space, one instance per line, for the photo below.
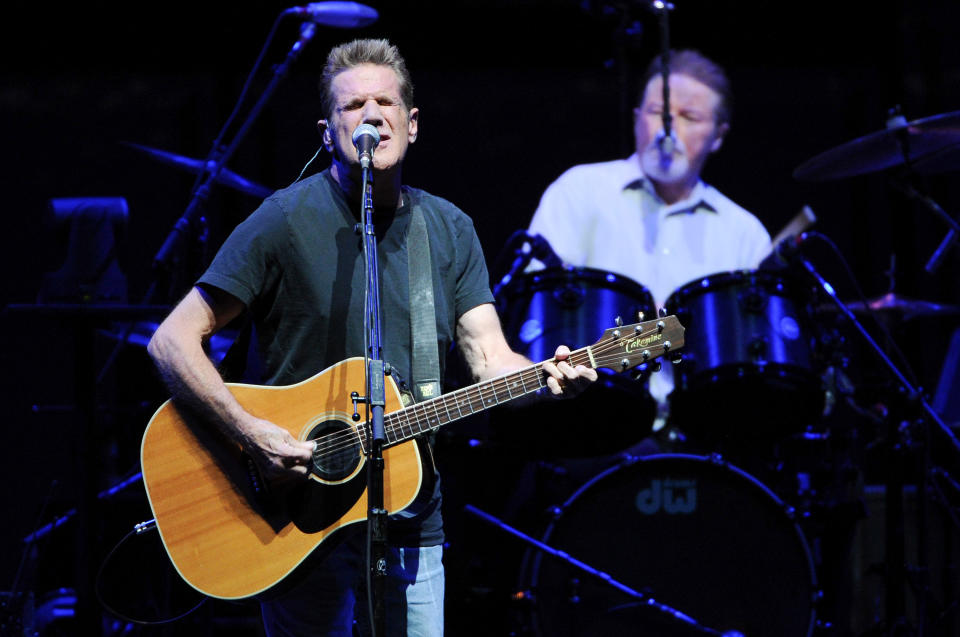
945 160
895 304
226 177
885 149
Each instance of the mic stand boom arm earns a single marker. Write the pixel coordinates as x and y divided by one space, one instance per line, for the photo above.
166 256
219 156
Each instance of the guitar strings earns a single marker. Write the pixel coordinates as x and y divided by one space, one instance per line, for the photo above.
336 442
348 438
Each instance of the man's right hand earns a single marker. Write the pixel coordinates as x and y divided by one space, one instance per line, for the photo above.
278 454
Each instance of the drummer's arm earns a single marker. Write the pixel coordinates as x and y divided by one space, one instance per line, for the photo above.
488 355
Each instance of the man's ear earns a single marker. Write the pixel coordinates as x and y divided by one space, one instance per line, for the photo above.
722 130
413 125
326 135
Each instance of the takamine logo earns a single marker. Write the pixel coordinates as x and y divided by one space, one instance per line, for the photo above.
668 495
634 344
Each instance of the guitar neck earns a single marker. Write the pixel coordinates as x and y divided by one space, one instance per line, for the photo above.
430 414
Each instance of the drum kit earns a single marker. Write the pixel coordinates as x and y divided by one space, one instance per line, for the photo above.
746 478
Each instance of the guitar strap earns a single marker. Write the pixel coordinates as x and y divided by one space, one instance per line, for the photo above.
425 369
425 363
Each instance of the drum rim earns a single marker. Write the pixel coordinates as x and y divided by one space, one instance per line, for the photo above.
521 284
531 576
724 278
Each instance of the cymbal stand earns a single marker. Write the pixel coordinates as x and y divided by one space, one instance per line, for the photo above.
900 441
933 264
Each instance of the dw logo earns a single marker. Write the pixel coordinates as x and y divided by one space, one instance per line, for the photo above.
671 496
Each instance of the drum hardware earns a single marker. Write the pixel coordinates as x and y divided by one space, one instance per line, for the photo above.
911 427
572 586
920 142
924 146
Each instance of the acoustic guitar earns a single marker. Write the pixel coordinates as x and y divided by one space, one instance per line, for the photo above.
230 536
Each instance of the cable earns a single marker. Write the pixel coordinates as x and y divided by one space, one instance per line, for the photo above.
98 588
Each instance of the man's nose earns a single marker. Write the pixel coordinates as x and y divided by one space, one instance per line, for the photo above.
372 114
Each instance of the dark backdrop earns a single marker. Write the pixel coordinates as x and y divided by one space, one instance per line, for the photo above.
511 94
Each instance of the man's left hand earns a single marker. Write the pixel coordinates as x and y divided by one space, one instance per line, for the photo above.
563 379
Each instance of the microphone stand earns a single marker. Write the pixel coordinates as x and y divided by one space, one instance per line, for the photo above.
663 10
219 156
641 597
376 401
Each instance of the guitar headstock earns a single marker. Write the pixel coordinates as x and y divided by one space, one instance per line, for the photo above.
626 346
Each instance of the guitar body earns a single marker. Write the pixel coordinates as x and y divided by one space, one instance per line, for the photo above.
226 537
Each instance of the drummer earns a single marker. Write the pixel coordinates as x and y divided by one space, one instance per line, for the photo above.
650 217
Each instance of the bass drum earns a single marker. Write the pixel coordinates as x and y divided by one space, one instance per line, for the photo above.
693 532
749 353
574 306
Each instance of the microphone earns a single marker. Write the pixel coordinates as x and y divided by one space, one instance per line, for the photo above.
365 138
534 246
541 249
783 252
667 143
343 15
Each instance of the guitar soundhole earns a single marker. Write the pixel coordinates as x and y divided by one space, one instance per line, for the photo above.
338 450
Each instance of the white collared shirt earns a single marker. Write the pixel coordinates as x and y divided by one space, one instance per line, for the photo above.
608 216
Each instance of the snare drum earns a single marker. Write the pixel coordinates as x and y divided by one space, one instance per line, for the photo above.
693 532
574 306
748 357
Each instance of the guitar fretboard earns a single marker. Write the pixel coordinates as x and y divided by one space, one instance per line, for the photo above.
430 414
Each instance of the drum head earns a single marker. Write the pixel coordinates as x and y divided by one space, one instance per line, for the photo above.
695 534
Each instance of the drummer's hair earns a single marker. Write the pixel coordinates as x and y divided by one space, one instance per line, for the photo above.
364 51
701 68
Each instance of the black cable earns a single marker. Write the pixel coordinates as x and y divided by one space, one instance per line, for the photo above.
98 588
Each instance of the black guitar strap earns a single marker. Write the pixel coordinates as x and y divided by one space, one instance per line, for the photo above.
423 317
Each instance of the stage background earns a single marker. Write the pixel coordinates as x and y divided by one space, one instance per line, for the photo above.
511 94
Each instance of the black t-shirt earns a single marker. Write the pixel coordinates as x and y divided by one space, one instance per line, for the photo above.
298 266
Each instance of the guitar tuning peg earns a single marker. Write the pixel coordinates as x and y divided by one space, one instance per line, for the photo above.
618 321
676 360
640 316
662 312
655 366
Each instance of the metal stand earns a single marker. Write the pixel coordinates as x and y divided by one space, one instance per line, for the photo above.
899 440
646 600
192 222
374 430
